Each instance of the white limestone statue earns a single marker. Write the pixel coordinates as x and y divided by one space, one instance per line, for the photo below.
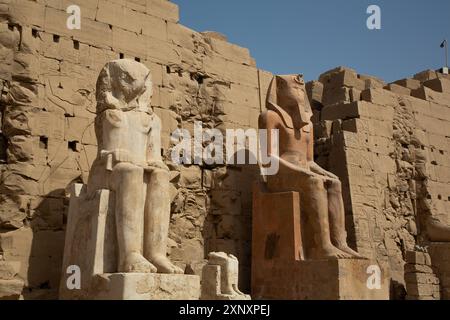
129 164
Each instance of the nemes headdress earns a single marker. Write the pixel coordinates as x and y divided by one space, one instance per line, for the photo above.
276 101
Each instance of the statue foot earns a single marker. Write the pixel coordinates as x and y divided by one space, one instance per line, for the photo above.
330 253
136 263
164 265
355 255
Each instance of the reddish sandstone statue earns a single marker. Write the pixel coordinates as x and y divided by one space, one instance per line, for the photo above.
321 204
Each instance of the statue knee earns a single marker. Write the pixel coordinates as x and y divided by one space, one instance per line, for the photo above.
317 183
335 186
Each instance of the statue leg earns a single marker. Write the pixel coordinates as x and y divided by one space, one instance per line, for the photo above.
317 205
127 184
156 222
336 214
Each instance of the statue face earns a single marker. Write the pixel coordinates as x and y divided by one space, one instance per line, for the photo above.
125 84
292 98
125 87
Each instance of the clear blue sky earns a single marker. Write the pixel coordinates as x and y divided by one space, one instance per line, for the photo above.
312 36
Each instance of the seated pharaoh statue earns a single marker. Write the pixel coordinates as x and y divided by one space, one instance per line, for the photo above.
118 224
321 204
129 164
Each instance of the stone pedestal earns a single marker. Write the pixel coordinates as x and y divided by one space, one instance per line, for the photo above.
279 268
319 280
139 286
440 260
91 245
11 285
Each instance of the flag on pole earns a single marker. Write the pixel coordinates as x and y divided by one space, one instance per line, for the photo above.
443 43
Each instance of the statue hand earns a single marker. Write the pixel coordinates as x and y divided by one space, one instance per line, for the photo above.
331 175
157 165
320 171
119 155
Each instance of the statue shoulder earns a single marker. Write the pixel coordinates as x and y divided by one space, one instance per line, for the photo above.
269 119
114 117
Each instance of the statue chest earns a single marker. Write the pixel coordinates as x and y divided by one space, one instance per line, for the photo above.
295 138
133 122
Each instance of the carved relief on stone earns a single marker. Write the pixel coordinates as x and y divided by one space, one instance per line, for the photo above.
321 204
220 278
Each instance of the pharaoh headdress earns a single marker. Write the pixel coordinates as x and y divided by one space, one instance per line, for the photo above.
274 101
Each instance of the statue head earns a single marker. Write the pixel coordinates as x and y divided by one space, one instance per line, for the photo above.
124 84
287 97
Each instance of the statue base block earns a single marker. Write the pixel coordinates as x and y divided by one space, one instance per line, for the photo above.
141 286
440 260
343 279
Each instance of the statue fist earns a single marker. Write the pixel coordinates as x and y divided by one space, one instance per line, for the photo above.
158 165
118 155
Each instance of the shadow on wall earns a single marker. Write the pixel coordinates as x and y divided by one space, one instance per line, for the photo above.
228 224
47 246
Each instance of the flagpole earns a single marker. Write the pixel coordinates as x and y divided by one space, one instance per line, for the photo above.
446 53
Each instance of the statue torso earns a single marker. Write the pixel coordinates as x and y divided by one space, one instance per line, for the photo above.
294 143
128 131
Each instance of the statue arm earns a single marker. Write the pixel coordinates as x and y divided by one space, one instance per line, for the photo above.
154 158
114 155
314 167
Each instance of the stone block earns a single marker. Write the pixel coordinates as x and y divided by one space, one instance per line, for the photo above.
99 33
439 85
161 52
314 90
9 269
371 82
88 7
380 96
230 51
428 94
242 74
336 95
415 257
279 267
163 9
129 42
11 289
398 89
345 78
28 12
320 280
420 290
415 279
425 75
340 111
140 286
182 36
411 84
116 14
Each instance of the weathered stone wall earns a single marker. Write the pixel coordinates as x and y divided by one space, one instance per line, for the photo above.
47 140
390 145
